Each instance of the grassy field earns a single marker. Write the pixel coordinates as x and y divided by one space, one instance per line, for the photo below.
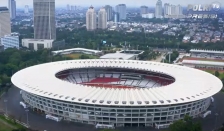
8 125
76 56
4 127
221 74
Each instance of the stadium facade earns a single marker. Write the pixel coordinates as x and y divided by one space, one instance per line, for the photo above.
117 92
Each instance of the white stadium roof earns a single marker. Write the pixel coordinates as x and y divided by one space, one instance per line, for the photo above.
190 84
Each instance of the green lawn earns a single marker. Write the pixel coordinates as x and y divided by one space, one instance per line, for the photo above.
8 125
221 74
77 55
4 127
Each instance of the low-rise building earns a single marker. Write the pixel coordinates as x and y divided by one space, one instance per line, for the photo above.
149 15
10 41
210 65
37 44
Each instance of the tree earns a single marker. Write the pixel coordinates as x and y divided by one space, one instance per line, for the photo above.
217 74
187 124
84 57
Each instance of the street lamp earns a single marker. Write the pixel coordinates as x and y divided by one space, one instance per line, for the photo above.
27 120
6 110
216 117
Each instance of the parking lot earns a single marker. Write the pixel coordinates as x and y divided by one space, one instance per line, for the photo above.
38 121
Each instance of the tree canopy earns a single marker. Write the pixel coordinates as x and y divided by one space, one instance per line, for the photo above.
13 60
187 124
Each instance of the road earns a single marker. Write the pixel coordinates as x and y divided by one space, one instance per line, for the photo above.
38 121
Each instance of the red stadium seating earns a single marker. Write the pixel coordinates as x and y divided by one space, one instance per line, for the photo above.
104 80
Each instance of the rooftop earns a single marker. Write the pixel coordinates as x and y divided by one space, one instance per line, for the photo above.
122 56
206 51
39 40
76 49
198 62
4 9
188 85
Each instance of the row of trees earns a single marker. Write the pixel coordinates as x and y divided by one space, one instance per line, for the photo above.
187 124
173 56
149 55
13 60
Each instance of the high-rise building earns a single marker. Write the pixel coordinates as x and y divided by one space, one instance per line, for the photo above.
179 10
5 23
68 8
26 9
174 10
159 9
166 7
121 9
109 11
102 19
44 19
116 17
10 41
12 8
73 8
144 10
91 19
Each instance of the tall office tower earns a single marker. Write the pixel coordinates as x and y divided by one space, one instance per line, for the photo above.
179 10
166 7
144 10
44 19
68 8
121 9
109 11
159 9
116 17
5 23
172 10
26 9
72 8
12 8
102 19
90 19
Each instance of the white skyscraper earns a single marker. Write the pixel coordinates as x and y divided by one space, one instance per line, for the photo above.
5 24
121 9
26 9
90 19
102 19
174 11
12 8
159 9
166 7
179 10
144 10
68 8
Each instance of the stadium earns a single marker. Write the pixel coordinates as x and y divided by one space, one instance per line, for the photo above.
116 93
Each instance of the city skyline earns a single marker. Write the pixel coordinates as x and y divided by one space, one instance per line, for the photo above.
87 3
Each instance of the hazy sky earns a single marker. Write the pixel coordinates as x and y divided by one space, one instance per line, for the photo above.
63 3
